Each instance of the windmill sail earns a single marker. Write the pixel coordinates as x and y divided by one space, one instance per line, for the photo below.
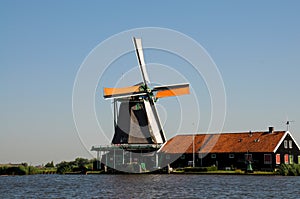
153 119
137 121
140 57
122 92
171 90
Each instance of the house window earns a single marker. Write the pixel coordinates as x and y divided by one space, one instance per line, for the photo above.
213 155
267 159
285 144
298 159
277 158
231 155
248 157
183 157
291 159
286 159
290 144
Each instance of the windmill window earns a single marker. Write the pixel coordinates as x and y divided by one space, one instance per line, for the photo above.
213 156
231 155
290 144
285 144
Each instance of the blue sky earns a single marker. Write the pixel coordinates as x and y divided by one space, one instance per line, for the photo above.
255 45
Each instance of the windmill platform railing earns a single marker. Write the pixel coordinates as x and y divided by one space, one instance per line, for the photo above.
117 156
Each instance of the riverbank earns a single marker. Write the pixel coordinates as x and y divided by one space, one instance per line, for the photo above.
221 172
102 172
82 166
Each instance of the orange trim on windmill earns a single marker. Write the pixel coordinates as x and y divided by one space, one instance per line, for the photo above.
108 92
172 92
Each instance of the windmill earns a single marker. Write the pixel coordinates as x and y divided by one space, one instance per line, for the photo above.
136 119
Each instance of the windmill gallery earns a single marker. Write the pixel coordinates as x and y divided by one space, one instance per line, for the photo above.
139 143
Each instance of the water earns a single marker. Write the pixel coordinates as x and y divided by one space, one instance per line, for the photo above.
149 186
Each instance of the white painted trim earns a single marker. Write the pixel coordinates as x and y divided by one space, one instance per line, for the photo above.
283 137
140 56
171 85
153 123
280 141
294 140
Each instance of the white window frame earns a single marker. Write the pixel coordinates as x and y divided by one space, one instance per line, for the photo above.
290 144
231 155
285 144
213 156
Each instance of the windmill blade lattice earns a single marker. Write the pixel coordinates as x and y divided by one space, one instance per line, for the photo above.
140 100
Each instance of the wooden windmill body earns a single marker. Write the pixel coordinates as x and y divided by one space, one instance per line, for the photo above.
136 119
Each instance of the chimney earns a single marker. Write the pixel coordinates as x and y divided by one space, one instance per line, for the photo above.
271 129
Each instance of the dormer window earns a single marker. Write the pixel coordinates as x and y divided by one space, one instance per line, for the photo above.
285 144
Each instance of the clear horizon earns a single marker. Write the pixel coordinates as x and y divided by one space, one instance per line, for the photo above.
255 46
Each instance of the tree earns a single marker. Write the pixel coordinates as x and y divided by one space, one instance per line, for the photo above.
81 162
64 167
49 165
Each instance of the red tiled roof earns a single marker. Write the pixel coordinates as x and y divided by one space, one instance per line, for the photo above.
224 142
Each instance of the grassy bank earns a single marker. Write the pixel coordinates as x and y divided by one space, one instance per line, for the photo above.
79 165
20 170
283 169
223 172
84 166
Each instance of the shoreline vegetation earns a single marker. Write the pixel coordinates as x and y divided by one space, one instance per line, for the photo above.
85 166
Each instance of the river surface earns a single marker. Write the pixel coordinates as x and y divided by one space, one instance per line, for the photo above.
149 186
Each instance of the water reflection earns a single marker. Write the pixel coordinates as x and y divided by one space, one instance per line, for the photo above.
149 186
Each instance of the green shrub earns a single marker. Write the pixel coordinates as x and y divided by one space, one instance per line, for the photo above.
64 167
3 170
212 168
19 170
200 169
31 170
49 165
289 169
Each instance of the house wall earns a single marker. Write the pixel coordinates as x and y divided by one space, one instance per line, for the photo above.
225 161
230 161
293 151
